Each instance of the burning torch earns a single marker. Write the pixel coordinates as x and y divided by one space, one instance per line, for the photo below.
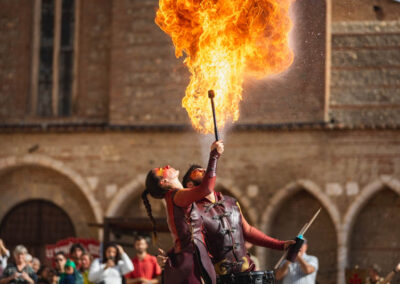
211 95
291 253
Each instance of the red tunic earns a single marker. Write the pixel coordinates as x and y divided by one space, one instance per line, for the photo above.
147 268
182 266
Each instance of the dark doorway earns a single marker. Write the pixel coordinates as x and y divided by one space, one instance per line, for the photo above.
34 224
374 238
322 240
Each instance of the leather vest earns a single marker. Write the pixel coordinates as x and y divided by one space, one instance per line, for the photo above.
219 226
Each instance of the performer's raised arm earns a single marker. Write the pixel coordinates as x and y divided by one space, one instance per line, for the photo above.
186 196
258 238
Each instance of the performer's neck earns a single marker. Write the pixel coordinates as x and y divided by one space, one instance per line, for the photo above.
176 184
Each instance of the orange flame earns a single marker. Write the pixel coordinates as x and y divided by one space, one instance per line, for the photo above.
223 41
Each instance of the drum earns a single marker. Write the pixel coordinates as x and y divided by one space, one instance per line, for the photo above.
252 277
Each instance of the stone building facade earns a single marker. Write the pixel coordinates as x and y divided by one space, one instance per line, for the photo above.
329 139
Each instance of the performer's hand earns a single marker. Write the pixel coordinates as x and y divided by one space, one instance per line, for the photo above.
219 145
162 258
288 243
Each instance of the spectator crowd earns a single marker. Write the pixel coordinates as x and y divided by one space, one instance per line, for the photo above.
78 267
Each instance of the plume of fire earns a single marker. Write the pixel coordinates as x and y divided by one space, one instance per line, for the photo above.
224 40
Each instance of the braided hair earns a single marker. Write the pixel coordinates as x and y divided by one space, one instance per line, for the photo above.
153 188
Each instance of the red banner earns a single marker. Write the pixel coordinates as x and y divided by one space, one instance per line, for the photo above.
91 246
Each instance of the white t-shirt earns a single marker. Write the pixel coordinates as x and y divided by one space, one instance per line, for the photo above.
111 275
296 276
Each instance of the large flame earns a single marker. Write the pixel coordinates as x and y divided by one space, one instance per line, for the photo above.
223 41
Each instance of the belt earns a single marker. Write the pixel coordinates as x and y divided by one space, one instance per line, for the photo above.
252 277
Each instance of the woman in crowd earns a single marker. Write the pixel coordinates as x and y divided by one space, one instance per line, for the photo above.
113 266
86 260
18 271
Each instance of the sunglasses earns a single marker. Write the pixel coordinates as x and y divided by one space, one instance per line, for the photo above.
197 174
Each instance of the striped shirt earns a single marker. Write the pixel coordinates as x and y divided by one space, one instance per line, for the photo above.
296 276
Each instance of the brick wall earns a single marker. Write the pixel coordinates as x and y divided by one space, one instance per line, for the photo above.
365 73
15 58
148 82
94 60
366 10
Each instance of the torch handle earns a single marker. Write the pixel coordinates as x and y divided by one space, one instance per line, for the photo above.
211 95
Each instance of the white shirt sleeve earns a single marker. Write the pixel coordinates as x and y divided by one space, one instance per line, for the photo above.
96 272
125 264
3 260
313 261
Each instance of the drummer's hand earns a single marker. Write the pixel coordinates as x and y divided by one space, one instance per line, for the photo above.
219 145
288 243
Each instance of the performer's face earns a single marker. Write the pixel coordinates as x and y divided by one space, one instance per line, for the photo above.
167 173
197 175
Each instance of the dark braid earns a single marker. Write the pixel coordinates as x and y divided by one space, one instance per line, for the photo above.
153 188
147 204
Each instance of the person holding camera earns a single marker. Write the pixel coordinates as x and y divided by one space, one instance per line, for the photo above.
113 266
18 271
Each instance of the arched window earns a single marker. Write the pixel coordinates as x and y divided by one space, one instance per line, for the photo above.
374 237
53 57
34 224
291 216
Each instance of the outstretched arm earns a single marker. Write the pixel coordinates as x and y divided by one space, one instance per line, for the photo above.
186 196
258 238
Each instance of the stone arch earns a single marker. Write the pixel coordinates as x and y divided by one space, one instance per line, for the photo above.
283 195
291 189
351 215
126 193
58 167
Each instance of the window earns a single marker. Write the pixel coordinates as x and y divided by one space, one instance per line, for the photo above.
53 58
